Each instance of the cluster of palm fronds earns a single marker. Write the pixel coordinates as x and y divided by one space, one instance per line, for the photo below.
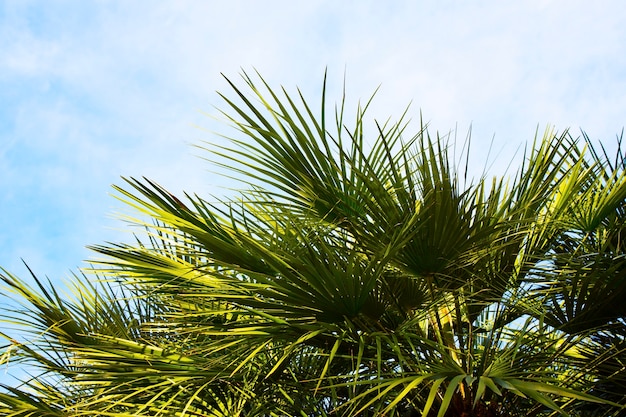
359 274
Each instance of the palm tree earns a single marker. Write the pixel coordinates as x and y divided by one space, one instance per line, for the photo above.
356 274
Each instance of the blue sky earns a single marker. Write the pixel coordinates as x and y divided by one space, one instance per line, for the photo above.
94 90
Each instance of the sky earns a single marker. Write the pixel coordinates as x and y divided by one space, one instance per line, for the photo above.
93 91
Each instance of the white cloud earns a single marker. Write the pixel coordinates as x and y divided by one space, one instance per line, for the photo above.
97 90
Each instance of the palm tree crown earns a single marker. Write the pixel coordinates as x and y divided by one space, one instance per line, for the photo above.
357 274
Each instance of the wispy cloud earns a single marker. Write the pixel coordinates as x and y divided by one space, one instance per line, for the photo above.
90 91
